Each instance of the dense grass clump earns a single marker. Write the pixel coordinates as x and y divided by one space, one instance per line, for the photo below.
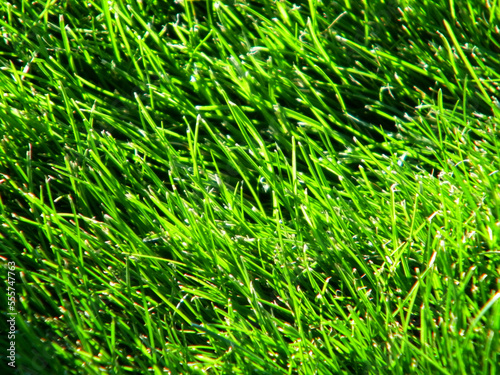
251 187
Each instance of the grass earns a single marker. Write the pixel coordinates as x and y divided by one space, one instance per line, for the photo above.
251 187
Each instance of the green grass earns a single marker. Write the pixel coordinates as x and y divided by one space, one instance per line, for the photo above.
251 187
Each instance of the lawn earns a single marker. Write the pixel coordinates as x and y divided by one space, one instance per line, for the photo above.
250 187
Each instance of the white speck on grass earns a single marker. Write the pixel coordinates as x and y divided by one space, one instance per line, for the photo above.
433 259
255 50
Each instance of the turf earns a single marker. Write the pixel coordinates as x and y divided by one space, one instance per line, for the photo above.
250 187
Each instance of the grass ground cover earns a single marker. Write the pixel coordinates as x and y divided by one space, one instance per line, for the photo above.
250 187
